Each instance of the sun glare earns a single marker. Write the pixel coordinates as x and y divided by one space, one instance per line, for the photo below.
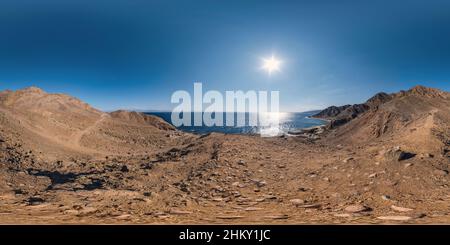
271 65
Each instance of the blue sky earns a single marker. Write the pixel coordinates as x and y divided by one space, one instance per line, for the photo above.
135 54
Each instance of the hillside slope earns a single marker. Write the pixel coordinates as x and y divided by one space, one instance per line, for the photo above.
416 119
58 126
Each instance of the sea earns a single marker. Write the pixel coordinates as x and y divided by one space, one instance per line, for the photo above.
288 122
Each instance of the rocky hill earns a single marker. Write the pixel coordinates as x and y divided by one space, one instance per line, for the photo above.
417 118
339 115
57 126
331 112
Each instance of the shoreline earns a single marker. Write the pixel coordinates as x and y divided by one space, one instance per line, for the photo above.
245 130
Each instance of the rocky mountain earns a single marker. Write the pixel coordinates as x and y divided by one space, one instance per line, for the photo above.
339 115
417 117
331 112
59 126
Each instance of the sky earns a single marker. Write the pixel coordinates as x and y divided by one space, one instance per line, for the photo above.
134 54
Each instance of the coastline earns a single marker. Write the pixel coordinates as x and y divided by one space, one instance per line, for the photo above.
295 121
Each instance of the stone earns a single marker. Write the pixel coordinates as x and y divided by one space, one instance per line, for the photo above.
269 197
123 216
124 168
252 209
279 216
440 172
230 217
401 209
304 189
87 211
261 183
397 154
343 215
297 201
71 212
356 208
426 155
420 215
386 197
346 160
35 200
395 218
179 212
314 205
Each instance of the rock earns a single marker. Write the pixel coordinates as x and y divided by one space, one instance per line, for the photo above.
71 212
35 200
297 201
419 216
158 213
304 189
440 172
77 207
230 217
356 208
123 217
386 197
395 218
87 211
270 197
401 209
261 183
346 160
397 154
279 216
124 169
241 162
373 175
180 212
343 215
252 209
316 205
426 155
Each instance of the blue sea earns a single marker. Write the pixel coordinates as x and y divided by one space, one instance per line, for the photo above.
288 122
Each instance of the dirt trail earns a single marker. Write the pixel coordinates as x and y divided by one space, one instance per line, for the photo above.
79 135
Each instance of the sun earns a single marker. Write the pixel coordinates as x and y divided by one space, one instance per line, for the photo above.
271 65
